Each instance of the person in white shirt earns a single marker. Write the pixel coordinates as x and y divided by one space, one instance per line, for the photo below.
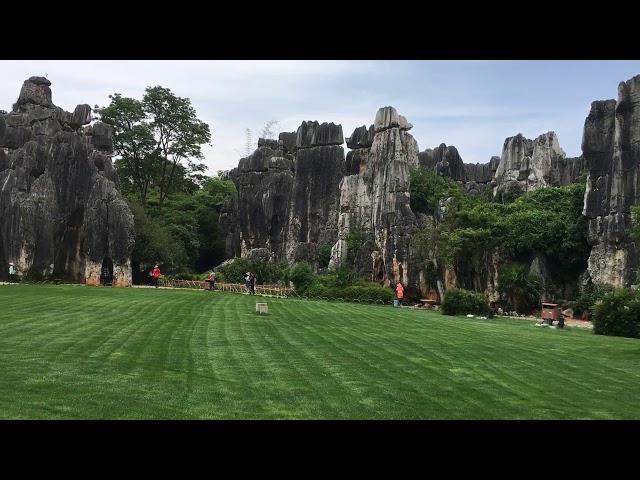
12 272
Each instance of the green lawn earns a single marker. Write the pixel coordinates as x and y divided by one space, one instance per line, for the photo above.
93 353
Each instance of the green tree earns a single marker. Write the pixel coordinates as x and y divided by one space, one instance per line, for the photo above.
158 141
134 144
427 189
154 243
179 135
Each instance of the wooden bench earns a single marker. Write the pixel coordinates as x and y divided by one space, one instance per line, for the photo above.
261 308
427 302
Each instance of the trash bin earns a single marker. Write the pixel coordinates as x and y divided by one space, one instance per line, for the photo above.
551 312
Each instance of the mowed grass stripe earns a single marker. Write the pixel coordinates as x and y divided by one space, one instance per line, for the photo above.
84 352
363 363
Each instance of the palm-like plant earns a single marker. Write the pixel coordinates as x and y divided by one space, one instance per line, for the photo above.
519 287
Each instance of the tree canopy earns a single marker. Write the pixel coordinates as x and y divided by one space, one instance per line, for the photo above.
158 141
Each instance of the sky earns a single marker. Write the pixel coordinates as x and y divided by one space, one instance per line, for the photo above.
473 105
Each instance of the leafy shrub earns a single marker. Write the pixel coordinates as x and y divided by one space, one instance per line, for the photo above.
183 276
458 301
583 305
324 255
369 294
355 243
356 293
326 280
266 272
345 277
302 276
235 271
519 287
427 188
618 314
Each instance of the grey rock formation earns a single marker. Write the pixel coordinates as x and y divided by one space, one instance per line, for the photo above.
313 134
288 141
374 199
288 195
445 161
531 164
475 178
59 202
481 172
313 216
361 137
610 149
35 91
258 217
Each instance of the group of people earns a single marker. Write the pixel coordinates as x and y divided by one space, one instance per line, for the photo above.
250 283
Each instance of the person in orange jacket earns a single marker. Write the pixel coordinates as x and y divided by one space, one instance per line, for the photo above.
156 275
399 292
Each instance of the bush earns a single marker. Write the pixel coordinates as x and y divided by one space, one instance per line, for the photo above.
266 272
354 293
618 314
345 277
520 288
583 305
427 188
462 302
369 294
183 276
302 276
324 255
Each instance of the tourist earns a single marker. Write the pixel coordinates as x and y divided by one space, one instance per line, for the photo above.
12 272
212 280
156 276
254 279
399 292
247 282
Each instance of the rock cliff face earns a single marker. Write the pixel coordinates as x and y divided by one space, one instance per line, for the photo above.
264 181
374 199
319 167
481 172
444 161
300 193
611 148
60 210
288 196
529 164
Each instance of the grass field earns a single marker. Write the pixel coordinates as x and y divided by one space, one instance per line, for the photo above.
109 353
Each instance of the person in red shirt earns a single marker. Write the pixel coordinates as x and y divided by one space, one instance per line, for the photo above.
399 293
156 276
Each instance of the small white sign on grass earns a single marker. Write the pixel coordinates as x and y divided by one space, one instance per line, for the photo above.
261 308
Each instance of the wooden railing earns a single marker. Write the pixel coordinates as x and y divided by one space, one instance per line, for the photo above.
270 290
